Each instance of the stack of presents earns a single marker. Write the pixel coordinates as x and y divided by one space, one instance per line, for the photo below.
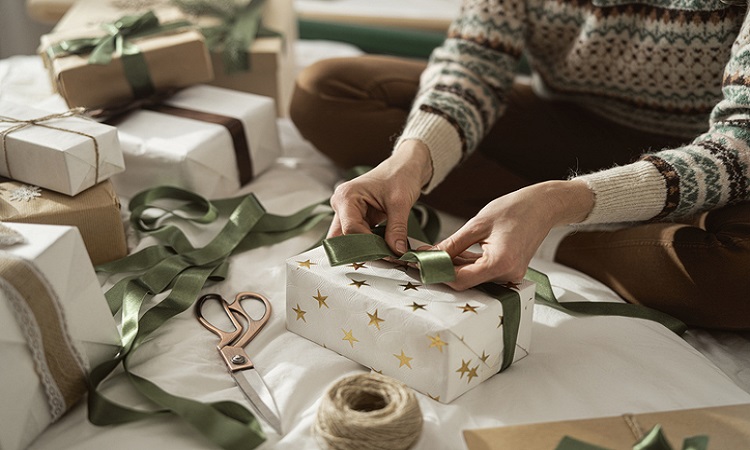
185 94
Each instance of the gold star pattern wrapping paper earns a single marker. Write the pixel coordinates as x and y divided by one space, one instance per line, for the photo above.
436 340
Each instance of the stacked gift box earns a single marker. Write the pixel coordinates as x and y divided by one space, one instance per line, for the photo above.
265 67
57 170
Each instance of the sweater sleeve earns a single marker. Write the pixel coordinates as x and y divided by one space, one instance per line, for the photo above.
463 89
710 172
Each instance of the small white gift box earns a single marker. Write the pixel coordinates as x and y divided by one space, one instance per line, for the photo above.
62 152
205 139
51 340
436 340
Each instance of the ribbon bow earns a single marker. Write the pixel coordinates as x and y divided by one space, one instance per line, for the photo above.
19 124
118 40
240 25
653 440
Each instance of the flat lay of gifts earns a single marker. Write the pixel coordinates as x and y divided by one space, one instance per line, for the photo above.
189 117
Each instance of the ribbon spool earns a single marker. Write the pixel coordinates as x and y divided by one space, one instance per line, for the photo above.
368 412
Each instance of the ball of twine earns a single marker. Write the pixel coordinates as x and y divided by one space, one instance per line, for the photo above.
368 412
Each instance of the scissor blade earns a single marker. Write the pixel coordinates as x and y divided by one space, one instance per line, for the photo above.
255 390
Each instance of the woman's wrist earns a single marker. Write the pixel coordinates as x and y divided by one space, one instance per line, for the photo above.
569 201
414 157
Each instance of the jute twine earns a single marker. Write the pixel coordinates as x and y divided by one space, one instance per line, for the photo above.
368 412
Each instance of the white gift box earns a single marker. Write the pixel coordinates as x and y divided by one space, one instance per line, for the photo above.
58 254
162 148
66 154
436 340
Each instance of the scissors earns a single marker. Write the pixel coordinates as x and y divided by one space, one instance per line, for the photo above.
231 347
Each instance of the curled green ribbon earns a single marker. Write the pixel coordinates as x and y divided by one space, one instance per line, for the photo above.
118 40
240 25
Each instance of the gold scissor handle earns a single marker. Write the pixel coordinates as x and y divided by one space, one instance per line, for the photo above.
231 343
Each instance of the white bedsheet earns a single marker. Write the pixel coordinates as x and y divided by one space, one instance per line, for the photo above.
578 367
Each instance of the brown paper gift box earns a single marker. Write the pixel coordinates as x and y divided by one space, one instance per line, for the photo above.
95 211
727 428
272 61
175 59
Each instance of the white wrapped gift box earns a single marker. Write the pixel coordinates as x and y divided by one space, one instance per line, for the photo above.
58 254
436 340
162 148
63 154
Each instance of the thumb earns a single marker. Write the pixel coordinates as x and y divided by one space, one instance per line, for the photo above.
395 233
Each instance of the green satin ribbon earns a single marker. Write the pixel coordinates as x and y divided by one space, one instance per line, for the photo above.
435 266
240 25
175 266
653 440
119 40
545 296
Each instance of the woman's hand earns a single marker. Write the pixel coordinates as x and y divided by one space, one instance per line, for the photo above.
387 192
511 228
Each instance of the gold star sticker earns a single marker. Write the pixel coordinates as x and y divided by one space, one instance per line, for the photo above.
415 306
472 373
358 266
435 341
464 367
403 359
511 285
376 370
300 313
468 308
410 285
321 299
307 263
375 320
436 398
349 336
358 284
484 357
501 321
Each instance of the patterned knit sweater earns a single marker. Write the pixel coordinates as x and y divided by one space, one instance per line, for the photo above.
678 67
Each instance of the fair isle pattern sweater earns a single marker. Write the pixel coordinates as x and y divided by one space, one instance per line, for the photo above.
678 67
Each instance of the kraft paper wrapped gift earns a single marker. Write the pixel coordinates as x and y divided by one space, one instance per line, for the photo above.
54 320
271 68
62 152
436 340
95 212
173 58
727 427
205 139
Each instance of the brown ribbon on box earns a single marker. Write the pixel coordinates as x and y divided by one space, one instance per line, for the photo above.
20 124
235 127
60 367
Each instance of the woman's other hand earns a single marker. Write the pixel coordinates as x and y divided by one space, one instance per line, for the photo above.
511 228
386 192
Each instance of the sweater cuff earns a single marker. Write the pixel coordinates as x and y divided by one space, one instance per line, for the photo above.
440 138
632 193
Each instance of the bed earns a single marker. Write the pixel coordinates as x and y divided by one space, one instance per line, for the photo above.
579 367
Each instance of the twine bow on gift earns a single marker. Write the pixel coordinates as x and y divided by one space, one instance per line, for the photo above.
118 40
19 124
241 23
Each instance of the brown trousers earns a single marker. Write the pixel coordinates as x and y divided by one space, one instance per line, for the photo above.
353 109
